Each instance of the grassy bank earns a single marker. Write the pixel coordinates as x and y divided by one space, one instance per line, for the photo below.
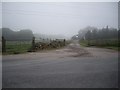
13 47
18 47
109 44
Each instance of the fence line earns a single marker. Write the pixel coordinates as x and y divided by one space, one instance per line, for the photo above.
33 45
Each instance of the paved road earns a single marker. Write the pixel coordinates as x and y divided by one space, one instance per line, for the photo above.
70 67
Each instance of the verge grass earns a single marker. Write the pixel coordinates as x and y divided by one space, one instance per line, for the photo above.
109 44
13 47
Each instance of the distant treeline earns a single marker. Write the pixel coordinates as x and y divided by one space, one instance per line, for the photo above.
92 33
22 35
105 37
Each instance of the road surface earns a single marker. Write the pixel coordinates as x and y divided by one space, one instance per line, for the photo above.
69 67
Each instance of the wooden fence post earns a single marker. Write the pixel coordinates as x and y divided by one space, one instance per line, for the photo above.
64 42
3 44
33 42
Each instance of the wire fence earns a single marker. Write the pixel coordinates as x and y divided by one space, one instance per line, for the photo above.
16 47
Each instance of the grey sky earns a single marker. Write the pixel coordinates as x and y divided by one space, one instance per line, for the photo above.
60 17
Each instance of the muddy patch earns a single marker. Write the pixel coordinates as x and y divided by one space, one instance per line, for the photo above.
78 52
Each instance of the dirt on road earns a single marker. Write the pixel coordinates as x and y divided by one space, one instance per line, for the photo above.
72 50
70 67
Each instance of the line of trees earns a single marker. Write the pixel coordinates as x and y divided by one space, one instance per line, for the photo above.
22 35
104 33
93 33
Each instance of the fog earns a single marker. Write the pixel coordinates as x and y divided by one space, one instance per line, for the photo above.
60 18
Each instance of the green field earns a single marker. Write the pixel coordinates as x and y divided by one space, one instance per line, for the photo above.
17 47
110 44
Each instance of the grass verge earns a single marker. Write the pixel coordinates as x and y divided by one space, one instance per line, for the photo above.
108 44
17 49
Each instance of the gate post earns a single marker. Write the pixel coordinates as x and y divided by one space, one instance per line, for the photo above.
3 44
64 42
33 42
